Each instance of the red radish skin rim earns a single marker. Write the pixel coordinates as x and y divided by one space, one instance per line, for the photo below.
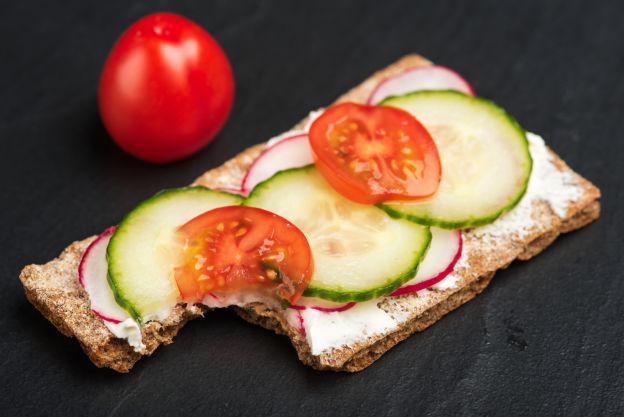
214 296
302 329
244 189
105 318
452 71
325 309
432 281
106 233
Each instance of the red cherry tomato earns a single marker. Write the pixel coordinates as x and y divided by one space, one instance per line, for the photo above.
371 154
237 248
166 88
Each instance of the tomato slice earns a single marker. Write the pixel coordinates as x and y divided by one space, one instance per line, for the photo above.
372 154
237 248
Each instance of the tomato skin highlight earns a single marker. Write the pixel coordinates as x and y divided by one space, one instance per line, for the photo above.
239 248
372 154
166 88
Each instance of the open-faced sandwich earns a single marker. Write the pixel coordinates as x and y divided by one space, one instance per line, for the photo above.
367 222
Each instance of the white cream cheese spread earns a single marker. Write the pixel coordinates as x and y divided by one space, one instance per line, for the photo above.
128 329
327 331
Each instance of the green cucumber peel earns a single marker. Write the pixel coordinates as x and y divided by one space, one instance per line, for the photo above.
468 221
263 184
339 295
336 293
121 230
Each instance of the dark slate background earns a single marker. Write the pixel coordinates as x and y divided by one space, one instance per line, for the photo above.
546 338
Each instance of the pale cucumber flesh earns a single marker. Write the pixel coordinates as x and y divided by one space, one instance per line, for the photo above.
484 154
359 251
144 250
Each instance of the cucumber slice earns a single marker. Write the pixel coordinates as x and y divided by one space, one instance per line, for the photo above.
359 252
143 250
485 159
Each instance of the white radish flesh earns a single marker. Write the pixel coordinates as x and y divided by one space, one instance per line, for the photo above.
291 152
444 252
434 77
92 273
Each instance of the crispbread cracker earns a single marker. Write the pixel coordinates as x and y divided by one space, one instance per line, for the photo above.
54 290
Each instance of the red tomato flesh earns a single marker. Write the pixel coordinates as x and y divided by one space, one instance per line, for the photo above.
166 88
237 248
371 154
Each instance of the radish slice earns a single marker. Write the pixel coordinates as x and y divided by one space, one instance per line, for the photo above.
434 77
441 258
443 254
321 305
291 152
92 273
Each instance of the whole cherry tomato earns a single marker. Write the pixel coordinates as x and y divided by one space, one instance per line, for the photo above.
166 88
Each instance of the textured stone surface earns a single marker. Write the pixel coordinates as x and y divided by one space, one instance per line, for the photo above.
546 338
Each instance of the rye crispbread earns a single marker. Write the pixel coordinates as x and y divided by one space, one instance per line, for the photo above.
54 290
